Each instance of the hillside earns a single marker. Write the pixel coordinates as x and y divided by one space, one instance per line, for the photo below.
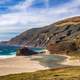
53 74
64 30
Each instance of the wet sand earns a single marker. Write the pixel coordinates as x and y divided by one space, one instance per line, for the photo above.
21 64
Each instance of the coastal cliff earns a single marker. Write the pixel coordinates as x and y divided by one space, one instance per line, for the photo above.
64 30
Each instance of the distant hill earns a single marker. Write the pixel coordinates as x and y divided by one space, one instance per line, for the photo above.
64 30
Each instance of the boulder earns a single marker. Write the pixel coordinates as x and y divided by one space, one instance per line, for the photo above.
25 51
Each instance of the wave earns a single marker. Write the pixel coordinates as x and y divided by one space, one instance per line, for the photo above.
8 56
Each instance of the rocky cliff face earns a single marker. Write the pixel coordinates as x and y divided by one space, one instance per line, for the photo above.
62 47
67 30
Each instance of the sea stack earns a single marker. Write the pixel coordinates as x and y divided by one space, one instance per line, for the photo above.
25 51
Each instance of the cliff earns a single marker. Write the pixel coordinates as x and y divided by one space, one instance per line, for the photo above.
64 30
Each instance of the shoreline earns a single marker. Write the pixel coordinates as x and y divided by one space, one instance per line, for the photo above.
7 56
71 62
19 64
22 64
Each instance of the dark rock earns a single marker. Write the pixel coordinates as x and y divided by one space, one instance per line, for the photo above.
25 52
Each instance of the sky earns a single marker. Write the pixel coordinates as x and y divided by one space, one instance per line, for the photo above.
17 16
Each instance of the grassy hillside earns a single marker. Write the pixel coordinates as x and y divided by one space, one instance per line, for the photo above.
70 73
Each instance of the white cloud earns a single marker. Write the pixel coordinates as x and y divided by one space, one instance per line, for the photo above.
21 19
22 6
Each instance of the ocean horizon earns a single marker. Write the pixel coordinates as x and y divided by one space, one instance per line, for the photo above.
7 36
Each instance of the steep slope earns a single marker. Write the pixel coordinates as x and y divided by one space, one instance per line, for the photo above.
64 30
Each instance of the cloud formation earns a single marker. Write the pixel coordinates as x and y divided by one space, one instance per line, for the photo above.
25 14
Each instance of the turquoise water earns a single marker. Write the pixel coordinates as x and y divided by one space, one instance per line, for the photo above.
7 51
10 51
37 49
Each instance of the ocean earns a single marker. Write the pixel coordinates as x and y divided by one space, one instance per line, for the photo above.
7 51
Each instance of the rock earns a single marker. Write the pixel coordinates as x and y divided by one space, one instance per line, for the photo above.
25 51
63 47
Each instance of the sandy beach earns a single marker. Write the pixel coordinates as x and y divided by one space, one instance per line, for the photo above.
22 64
18 65
71 62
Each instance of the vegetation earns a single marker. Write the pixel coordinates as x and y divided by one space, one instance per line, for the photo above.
68 73
61 37
62 47
75 55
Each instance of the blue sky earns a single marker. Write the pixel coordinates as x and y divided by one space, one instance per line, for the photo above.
17 16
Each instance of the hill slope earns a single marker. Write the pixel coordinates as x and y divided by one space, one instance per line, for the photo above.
53 74
64 30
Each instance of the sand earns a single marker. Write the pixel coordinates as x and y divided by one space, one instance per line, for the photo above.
21 64
71 62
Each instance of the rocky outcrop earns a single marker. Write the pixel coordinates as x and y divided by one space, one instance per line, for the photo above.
62 47
25 51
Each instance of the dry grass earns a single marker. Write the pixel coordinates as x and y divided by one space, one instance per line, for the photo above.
69 73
